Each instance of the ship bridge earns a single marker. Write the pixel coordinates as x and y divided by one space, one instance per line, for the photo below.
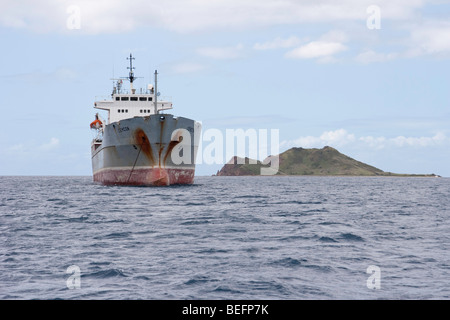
125 104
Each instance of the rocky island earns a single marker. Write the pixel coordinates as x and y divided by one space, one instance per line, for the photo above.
312 162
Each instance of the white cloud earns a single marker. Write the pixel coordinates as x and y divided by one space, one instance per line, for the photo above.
316 49
341 137
427 35
222 53
190 16
430 37
183 16
336 138
402 141
324 48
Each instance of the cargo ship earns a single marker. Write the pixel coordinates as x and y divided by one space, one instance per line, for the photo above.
140 143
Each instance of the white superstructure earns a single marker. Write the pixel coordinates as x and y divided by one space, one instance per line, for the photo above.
124 106
129 104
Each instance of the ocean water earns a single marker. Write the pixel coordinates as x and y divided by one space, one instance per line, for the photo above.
281 238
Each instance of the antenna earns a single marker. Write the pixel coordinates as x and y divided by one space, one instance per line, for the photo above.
156 92
114 87
131 74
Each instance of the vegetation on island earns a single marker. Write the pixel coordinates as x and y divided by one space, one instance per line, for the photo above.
311 162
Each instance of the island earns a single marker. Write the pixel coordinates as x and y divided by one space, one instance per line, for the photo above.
309 162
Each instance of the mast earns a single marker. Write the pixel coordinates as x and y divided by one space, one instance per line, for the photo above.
156 92
131 76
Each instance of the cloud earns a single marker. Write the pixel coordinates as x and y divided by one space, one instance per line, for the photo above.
402 141
324 48
341 137
425 34
336 138
430 37
316 49
222 53
114 16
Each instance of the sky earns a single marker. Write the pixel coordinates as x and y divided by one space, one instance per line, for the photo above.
369 78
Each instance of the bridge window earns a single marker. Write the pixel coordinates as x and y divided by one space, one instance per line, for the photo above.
124 98
142 98
133 98
117 98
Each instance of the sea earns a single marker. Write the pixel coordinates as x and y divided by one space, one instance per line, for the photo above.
232 238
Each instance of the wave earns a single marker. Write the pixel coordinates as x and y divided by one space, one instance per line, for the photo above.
297 202
351 237
318 267
226 289
327 239
251 196
195 221
199 280
79 219
289 262
342 237
114 235
103 274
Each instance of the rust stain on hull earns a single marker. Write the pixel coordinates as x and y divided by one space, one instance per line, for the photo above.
142 140
172 145
162 120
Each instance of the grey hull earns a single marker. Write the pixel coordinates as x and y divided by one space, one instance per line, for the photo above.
155 150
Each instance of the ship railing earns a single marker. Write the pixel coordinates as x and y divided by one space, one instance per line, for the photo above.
110 99
137 91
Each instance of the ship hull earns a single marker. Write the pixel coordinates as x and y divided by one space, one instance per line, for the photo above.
145 176
158 150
